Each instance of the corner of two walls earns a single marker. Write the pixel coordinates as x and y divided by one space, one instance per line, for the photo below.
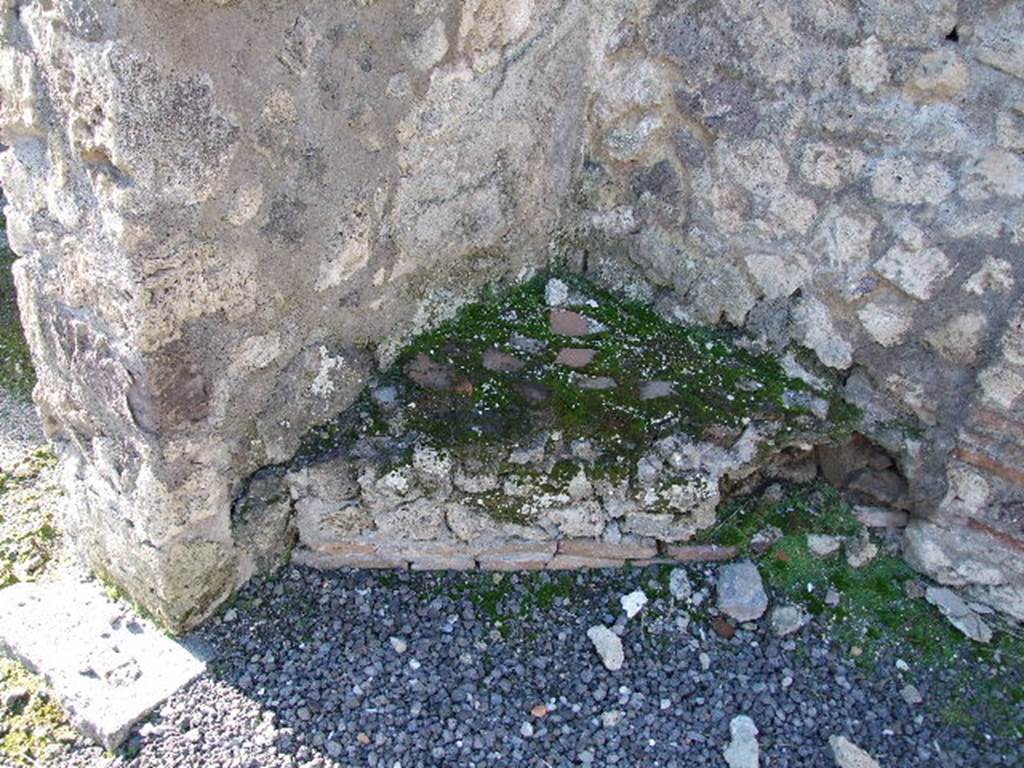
225 210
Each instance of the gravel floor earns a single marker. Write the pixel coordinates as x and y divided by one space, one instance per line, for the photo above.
500 673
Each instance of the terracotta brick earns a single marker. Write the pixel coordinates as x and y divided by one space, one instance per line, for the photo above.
987 463
517 556
524 548
328 560
573 563
699 553
513 563
628 549
459 563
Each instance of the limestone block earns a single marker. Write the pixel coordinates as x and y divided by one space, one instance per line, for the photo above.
108 667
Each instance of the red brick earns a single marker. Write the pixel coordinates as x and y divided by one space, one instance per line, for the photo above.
700 553
574 563
606 550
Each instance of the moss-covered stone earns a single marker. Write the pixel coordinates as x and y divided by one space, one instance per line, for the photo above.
718 383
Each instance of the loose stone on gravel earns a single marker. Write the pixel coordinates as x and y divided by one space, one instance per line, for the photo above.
911 695
576 357
399 645
608 646
743 750
741 592
787 619
679 585
633 603
822 545
959 613
849 755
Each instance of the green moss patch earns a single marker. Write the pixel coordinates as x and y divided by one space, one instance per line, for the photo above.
718 385
36 727
877 617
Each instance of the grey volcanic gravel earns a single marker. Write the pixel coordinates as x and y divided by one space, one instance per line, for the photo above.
307 675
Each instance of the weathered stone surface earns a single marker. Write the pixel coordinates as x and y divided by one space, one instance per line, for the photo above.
222 238
108 667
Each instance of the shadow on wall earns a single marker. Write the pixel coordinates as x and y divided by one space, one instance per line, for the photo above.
16 374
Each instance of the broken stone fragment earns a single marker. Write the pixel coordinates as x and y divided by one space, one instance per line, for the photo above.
556 292
959 614
608 646
849 755
502 362
743 750
741 592
575 357
764 539
633 603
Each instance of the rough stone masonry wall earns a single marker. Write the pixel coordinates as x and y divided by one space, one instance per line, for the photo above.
229 213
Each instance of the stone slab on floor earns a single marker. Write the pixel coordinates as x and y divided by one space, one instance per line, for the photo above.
108 667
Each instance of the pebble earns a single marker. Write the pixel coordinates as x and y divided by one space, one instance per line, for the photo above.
911 695
399 645
611 718
480 679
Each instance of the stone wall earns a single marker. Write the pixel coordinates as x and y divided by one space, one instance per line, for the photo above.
231 213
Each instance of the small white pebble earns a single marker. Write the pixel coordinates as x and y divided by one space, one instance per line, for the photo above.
902 666
413 664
